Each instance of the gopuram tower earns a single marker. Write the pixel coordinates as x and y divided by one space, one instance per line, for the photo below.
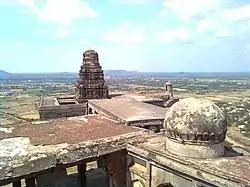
91 83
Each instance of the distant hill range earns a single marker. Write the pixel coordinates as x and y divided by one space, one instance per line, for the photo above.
61 75
120 73
4 74
123 73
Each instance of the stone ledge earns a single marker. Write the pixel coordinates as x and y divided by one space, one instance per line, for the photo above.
230 171
48 157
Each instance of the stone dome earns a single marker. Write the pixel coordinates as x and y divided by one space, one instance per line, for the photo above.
196 121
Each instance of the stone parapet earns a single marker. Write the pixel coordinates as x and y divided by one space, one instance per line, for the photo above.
59 111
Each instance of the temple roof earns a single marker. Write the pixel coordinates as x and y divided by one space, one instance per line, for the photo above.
129 111
63 141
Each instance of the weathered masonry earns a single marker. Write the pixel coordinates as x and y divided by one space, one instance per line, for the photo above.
104 153
52 107
130 112
92 96
41 154
103 146
91 83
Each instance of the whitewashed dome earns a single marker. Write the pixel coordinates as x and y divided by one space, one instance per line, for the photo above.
195 122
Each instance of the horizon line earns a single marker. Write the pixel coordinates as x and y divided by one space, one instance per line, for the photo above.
135 71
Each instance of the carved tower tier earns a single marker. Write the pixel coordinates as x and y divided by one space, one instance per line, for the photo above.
91 83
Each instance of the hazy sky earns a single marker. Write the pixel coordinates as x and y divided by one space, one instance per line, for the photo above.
144 35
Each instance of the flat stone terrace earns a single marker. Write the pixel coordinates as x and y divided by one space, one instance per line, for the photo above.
47 101
52 100
228 171
58 142
129 111
143 98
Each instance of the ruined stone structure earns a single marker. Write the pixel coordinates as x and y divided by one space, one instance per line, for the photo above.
168 98
91 86
169 89
52 107
130 112
189 152
191 149
91 83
